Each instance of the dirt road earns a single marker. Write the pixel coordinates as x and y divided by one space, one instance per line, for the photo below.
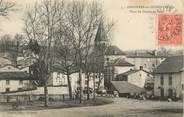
121 107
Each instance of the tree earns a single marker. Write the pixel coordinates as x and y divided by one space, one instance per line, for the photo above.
5 7
81 21
6 43
65 34
65 57
40 24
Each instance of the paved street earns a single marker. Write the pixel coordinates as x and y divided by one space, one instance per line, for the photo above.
120 108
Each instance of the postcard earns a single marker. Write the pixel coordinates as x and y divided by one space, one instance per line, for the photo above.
91 58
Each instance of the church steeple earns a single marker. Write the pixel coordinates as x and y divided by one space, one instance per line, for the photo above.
101 38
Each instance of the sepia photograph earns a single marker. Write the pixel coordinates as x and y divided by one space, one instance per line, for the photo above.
91 58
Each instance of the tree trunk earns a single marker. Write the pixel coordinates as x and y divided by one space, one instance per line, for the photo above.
46 95
94 86
88 90
80 81
100 81
69 86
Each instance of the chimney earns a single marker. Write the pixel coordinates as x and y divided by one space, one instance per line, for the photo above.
155 52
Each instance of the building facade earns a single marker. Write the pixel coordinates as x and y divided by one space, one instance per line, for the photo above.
168 78
145 59
135 77
13 79
60 79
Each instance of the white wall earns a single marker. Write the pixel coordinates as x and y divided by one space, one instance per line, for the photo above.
139 78
62 80
14 85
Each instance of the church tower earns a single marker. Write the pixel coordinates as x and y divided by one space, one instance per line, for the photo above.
101 40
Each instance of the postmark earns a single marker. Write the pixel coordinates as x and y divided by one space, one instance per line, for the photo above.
170 29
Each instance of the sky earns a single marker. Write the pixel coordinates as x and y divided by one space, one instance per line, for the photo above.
131 30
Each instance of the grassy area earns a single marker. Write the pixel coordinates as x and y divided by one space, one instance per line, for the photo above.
38 105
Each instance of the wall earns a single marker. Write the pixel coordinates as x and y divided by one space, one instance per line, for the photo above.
176 84
138 78
14 85
62 80
147 63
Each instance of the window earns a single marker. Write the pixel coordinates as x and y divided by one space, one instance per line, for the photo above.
170 79
7 82
20 82
162 79
162 92
7 89
107 59
19 89
153 65
9 67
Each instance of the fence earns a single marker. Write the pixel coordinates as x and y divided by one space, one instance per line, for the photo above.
37 97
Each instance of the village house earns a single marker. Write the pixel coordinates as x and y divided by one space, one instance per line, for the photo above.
168 78
148 60
121 66
136 77
60 80
13 79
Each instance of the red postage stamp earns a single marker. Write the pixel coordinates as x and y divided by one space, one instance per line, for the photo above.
169 29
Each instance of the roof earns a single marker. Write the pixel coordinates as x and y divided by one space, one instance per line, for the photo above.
114 50
122 62
126 87
130 72
15 76
171 65
145 54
